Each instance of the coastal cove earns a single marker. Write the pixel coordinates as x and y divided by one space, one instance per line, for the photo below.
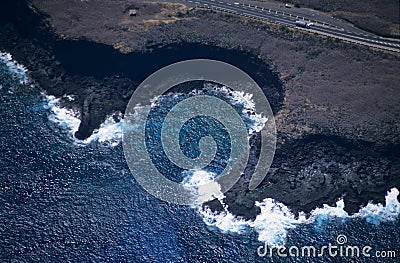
68 192
115 75
335 139
66 199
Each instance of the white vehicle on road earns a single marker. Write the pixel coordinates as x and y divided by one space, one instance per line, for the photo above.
303 24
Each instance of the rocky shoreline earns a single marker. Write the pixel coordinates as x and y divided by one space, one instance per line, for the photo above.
335 103
321 169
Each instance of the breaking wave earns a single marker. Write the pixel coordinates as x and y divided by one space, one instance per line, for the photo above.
275 219
202 184
110 131
18 71
66 118
255 122
108 134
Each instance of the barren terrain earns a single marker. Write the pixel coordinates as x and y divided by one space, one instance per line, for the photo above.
339 103
377 16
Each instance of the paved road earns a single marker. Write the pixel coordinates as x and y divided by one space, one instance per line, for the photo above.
323 24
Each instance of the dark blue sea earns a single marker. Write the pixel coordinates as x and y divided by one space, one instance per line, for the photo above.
68 201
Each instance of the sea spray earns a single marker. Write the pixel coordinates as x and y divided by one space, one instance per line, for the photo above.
275 219
109 133
17 70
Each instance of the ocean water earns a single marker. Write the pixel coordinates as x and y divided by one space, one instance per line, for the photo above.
65 200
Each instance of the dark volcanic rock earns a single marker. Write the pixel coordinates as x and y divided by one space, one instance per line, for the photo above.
308 170
316 170
99 76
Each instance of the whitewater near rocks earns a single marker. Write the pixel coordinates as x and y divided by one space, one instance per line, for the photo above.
275 219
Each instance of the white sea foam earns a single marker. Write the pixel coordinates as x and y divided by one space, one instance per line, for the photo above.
202 184
258 121
271 224
66 118
224 221
17 70
197 177
109 133
373 213
275 219
376 213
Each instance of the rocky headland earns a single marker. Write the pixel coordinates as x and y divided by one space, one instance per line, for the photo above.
336 104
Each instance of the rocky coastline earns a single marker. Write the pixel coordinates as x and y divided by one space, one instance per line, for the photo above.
336 104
